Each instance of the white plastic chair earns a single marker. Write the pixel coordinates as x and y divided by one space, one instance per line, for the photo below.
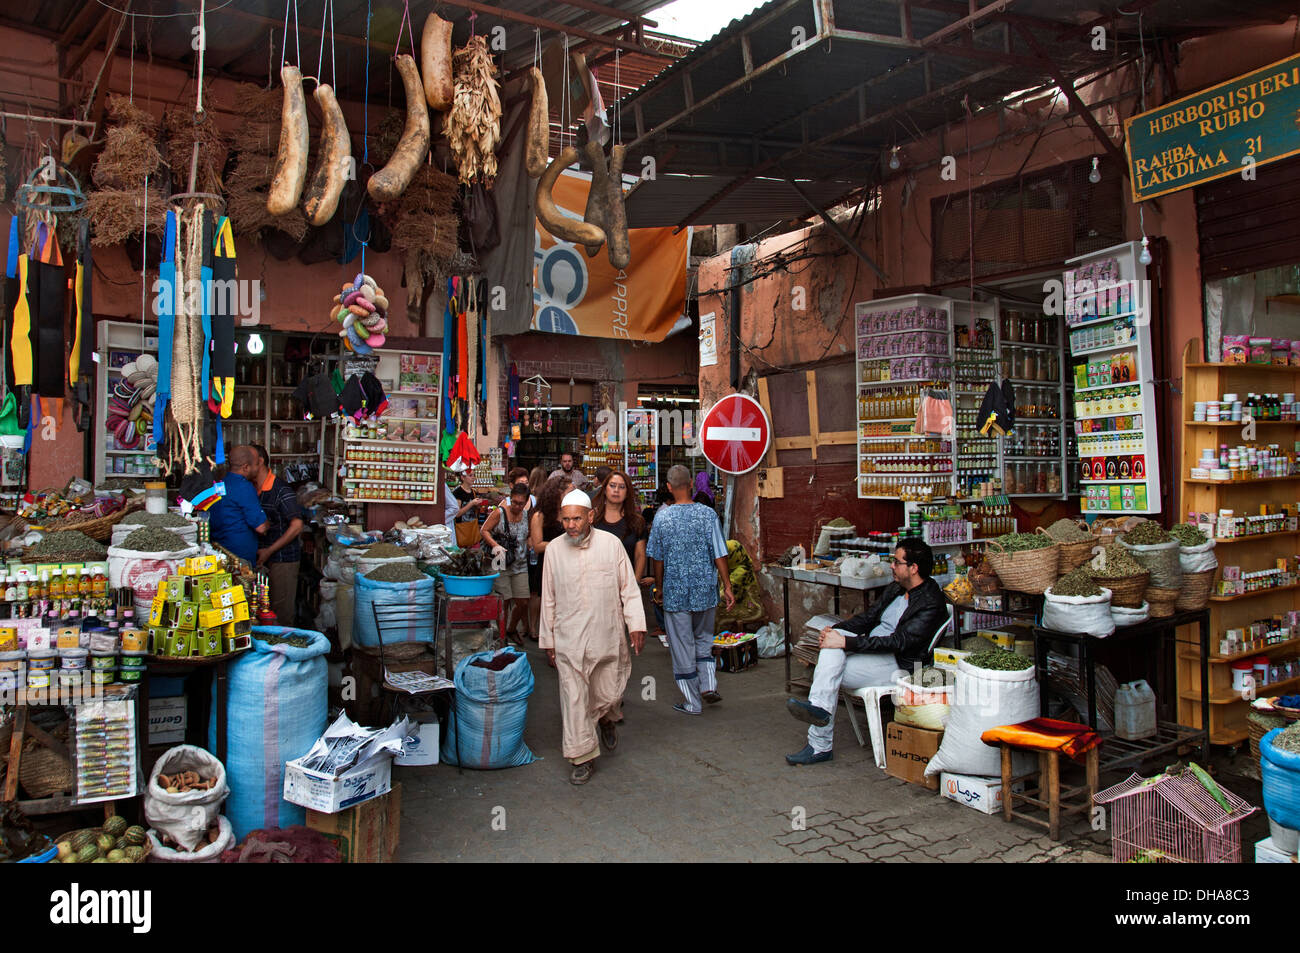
871 696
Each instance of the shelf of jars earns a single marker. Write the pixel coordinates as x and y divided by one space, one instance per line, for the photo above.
975 367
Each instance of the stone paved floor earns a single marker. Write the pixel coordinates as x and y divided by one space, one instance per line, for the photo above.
713 787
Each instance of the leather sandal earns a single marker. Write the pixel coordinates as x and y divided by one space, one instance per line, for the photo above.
582 773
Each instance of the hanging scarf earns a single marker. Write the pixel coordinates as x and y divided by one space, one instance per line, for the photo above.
20 340
166 326
222 397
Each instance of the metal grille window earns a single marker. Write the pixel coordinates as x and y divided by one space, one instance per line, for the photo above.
1028 222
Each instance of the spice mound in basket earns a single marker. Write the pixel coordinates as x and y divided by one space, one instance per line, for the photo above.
68 545
1068 531
1188 535
1024 562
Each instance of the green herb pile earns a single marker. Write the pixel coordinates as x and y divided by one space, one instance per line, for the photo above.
1188 535
1067 531
1079 582
56 545
296 641
154 539
1288 739
395 572
1147 533
839 523
384 551
1119 564
1017 542
165 520
1000 661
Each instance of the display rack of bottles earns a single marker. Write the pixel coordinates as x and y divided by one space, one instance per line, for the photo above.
1106 309
640 430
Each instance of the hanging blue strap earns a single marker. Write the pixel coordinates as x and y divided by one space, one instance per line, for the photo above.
33 421
166 325
205 276
11 269
220 456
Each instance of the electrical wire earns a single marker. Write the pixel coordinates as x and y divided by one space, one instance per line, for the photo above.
159 16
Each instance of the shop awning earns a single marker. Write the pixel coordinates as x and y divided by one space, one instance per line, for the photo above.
664 201
821 91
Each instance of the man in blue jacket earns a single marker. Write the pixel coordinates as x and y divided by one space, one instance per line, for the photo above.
237 518
893 634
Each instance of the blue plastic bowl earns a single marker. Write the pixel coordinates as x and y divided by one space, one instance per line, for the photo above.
44 858
468 585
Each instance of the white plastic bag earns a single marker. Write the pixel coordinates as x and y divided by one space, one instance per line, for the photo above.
771 640
211 854
984 699
926 707
1087 614
1122 616
1198 558
185 818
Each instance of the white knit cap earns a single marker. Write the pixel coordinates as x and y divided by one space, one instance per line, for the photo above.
576 498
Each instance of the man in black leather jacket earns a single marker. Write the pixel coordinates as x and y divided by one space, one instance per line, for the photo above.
892 634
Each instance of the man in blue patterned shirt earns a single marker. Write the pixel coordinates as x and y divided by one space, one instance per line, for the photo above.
690 560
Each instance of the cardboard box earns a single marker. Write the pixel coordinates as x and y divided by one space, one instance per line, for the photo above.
1266 853
983 794
948 658
180 643
185 615
367 833
175 589
167 719
1004 640
228 597
207 642
328 794
424 729
158 608
198 566
908 750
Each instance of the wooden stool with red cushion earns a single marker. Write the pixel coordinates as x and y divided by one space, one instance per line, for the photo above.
1049 739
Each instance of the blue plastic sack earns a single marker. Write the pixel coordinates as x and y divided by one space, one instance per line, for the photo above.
1281 770
277 699
486 729
416 595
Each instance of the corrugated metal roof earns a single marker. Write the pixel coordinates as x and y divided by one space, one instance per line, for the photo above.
665 200
752 100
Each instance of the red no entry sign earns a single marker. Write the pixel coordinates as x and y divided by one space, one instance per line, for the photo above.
735 434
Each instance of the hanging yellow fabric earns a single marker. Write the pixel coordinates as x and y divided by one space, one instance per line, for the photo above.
20 343
74 362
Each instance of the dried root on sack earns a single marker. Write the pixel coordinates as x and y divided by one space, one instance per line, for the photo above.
435 63
116 206
473 126
605 203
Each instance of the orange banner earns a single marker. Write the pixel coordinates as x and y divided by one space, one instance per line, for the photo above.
575 294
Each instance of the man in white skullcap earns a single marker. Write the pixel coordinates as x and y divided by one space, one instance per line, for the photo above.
590 597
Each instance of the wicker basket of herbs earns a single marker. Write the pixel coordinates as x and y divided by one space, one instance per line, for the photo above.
1025 562
98 528
65 546
1123 576
1074 544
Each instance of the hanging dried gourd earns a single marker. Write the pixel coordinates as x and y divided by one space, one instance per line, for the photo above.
473 126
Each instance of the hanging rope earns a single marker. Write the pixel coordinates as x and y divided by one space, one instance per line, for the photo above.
565 119
405 24
618 95
144 262
297 41
327 15
365 135
203 43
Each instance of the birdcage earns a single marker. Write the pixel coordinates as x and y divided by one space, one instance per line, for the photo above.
1173 819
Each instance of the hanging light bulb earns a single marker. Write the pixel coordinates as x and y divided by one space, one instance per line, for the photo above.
893 159
1095 175
255 345
1144 256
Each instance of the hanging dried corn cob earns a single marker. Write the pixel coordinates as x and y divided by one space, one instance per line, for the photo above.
473 126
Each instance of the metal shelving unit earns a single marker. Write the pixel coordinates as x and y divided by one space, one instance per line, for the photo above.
359 454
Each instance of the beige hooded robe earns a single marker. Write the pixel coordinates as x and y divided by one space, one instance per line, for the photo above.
590 601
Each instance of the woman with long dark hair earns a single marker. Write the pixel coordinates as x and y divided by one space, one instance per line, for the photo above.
543 526
617 509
